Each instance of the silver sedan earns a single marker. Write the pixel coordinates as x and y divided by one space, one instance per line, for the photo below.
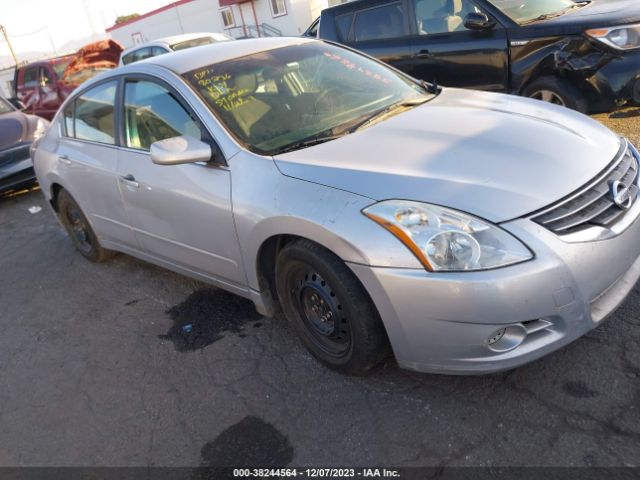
465 232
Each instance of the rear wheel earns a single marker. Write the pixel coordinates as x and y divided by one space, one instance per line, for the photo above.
79 229
329 308
557 91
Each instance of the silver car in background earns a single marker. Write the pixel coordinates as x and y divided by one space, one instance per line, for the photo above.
466 232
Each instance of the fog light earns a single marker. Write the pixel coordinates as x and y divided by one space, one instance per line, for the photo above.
507 338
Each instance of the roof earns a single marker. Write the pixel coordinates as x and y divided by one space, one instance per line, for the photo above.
186 60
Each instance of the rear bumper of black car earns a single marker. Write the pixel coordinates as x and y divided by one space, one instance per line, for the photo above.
16 168
618 82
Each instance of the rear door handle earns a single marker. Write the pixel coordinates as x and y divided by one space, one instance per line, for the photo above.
64 159
423 54
130 181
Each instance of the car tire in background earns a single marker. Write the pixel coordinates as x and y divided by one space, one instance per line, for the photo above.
77 226
557 91
329 308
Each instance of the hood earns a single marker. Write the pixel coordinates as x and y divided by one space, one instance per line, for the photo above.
599 13
496 156
15 128
100 55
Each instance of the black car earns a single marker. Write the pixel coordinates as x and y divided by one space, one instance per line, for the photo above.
584 55
17 132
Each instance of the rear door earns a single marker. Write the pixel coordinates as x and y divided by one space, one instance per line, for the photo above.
88 159
381 31
443 50
181 214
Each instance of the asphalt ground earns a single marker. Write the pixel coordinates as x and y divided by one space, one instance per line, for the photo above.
126 364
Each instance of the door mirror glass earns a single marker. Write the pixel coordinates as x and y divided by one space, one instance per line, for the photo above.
178 150
478 21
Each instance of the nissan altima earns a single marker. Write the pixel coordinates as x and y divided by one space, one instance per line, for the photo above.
465 232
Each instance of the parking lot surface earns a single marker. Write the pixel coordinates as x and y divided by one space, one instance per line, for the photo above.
126 364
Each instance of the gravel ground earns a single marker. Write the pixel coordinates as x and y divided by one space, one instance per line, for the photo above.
625 122
125 364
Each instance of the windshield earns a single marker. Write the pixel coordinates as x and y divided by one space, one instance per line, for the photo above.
80 76
523 11
61 66
272 101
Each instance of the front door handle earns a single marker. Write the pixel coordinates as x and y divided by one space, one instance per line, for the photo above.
130 181
64 159
423 54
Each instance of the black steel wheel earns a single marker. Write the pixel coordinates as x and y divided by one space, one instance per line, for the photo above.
329 308
79 229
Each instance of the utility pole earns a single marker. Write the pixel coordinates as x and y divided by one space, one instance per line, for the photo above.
3 31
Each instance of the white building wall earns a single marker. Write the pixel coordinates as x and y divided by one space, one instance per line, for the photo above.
205 16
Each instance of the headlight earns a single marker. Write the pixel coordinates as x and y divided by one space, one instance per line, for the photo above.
448 240
624 37
41 128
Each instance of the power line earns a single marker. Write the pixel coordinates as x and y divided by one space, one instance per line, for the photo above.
3 31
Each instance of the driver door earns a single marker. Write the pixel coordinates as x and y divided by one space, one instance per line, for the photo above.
181 214
443 50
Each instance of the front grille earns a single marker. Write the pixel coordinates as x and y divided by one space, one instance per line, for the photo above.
592 205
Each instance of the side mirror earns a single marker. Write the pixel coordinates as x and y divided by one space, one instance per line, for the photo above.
478 22
179 150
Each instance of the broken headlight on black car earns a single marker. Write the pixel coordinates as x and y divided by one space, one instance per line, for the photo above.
624 37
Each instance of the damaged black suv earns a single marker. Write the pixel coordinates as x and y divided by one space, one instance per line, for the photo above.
584 54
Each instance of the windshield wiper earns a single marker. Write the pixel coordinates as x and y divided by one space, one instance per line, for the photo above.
381 114
308 142
338 132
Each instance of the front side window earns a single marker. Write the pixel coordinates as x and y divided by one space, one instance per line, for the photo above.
152 113
94 119
155 51
31 77
45 77
278 7
227 18
67 114
273 100
379 23
523 11
441 16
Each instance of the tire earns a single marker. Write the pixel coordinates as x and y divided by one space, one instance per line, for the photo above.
329 308
557 91
79 229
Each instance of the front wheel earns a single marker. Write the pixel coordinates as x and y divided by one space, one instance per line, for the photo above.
79 229
329 308
557 91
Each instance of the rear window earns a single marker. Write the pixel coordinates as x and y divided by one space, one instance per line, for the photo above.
379 23
196 42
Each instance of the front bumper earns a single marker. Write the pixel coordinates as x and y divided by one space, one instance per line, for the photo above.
618 81
16 168
444 322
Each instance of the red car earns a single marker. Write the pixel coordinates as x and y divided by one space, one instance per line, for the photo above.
43 86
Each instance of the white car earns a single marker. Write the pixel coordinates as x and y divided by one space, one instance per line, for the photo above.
170 44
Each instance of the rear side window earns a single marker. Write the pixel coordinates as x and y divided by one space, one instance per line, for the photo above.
343 25
128 58
94 119
155 51
152 113
31 77
379 23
